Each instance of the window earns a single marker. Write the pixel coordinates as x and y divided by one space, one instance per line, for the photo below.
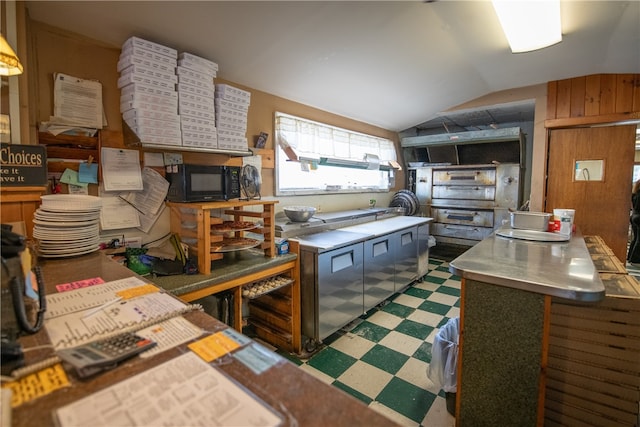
315 158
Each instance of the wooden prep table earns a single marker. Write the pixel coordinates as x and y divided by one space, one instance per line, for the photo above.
241 268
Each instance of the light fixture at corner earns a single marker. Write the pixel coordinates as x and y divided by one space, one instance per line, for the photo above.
9 63
529 24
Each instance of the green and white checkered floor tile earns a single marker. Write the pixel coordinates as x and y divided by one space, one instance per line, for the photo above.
382 358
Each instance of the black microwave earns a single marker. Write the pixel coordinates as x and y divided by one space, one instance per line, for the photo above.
202 183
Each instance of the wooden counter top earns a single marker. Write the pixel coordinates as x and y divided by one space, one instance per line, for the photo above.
235 265
231 273
298 397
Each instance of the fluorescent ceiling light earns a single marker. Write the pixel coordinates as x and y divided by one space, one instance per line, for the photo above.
529 24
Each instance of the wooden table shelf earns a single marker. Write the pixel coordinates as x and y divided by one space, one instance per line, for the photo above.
200 216
276 316
280 308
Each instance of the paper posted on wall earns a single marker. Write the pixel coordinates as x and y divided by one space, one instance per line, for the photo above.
117 213
77 102
121 169
149 202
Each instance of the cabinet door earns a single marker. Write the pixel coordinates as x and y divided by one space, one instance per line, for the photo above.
340 288
406 257
379 269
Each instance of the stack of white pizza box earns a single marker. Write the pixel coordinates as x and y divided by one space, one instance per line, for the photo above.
148 97
232 106
195 100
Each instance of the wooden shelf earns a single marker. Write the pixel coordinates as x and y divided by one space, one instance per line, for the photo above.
275 315
19 205
200 213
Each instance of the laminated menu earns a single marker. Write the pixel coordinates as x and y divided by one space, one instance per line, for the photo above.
183 391
87 314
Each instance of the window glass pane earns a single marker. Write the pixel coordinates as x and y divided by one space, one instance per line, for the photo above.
311 142
302 177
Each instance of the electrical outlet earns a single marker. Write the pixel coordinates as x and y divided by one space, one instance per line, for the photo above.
172 158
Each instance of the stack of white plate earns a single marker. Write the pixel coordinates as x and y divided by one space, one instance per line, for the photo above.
67 225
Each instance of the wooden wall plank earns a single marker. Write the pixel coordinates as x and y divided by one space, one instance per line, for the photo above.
589 383
592 95
110 138
595 96
552 100
636 92
563 104
624 93
607 94
578 90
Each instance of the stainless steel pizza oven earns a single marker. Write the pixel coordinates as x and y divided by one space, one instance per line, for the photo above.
466 181
467 202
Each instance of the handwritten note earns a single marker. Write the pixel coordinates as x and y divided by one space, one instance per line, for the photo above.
88 172
71 177
79 284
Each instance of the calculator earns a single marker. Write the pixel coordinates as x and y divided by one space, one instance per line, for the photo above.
91 358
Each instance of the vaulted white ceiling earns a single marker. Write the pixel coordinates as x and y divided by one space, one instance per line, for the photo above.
393 64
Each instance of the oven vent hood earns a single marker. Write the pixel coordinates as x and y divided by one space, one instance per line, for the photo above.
465 148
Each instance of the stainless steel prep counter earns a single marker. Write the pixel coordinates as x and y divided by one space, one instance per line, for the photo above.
345 272
561 269
329 240
389 225
506 291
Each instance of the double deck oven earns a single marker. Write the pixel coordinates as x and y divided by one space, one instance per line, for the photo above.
467 202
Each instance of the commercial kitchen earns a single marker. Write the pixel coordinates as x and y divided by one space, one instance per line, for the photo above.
313 213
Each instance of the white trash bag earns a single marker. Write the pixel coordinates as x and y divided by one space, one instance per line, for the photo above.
444 356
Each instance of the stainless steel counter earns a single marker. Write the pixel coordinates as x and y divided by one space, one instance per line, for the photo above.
347 271
561 269
328 240
389 225
332 239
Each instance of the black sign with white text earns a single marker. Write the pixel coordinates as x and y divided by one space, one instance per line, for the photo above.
23 165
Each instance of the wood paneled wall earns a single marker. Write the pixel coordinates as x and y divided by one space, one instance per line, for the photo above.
597 98
58 50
